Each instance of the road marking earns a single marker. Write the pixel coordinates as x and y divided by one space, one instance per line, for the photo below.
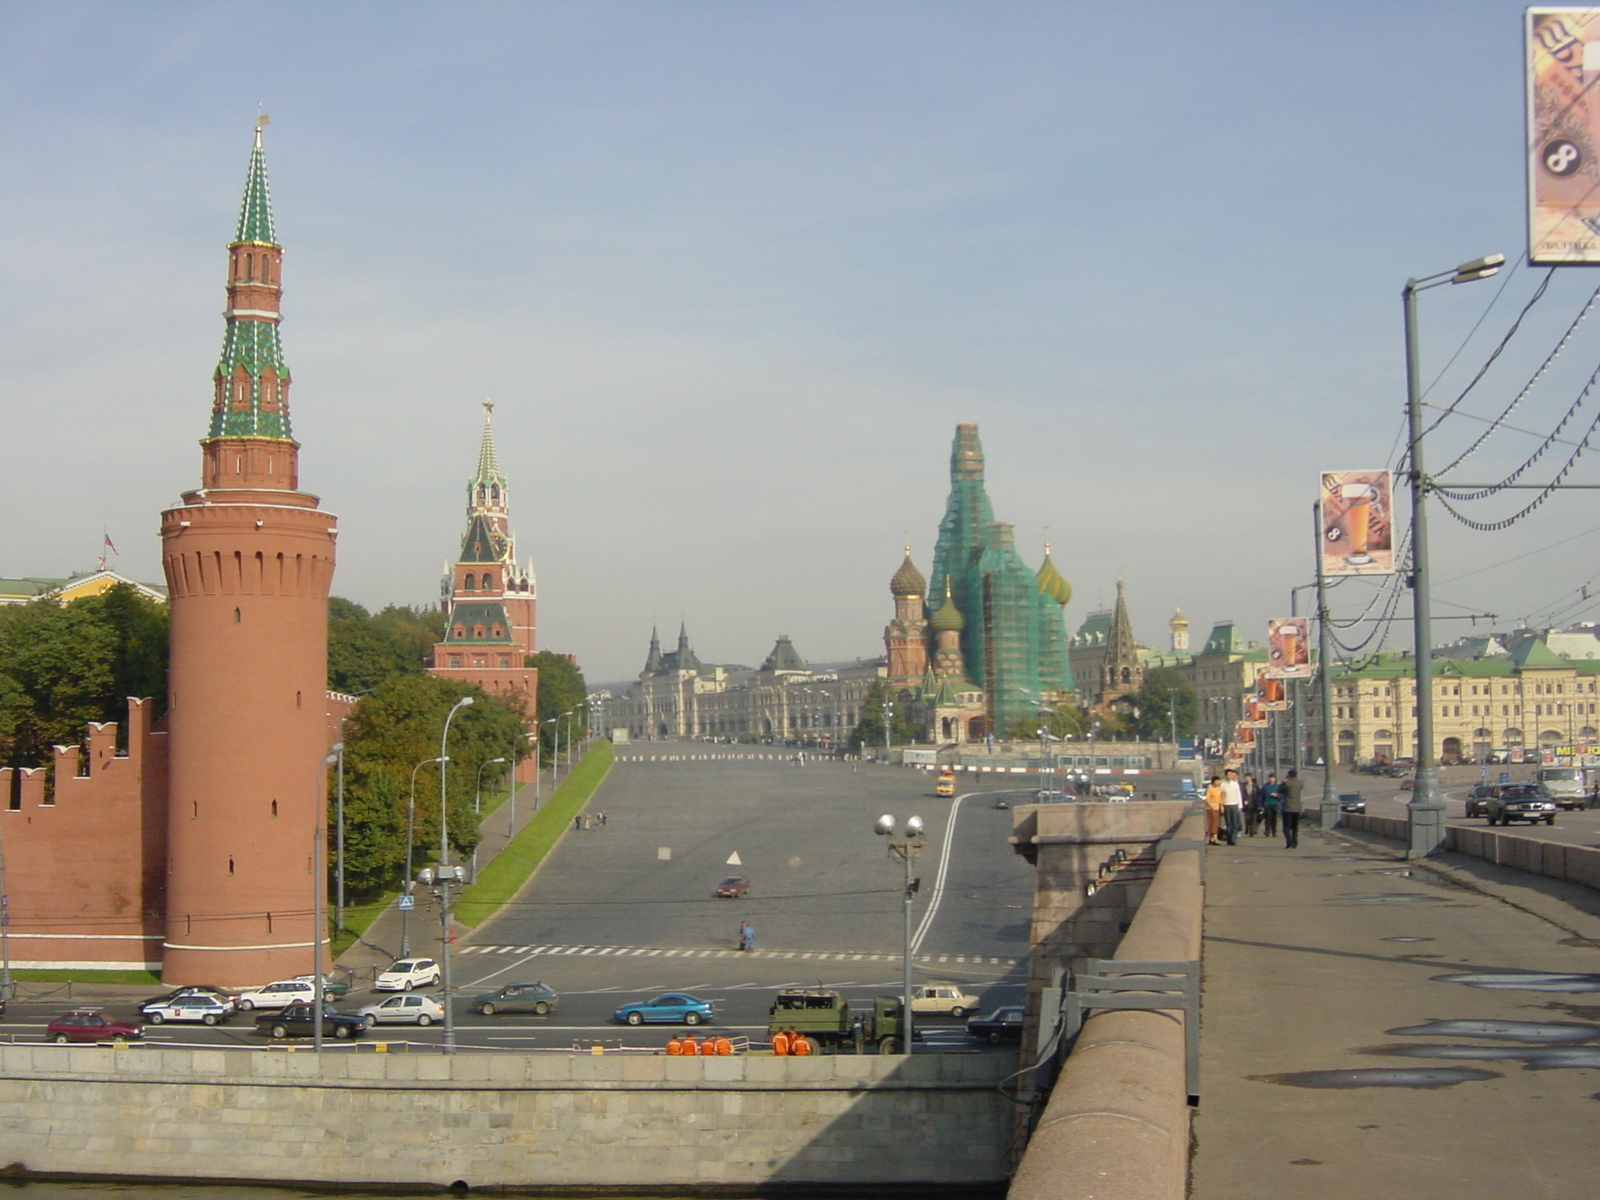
692 952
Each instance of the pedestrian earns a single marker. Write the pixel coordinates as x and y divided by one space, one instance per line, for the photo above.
1269 805
602 817
1252 805
577 822
1289 792
1232 805
1213 809
747 936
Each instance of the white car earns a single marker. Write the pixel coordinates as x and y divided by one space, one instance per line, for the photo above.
276 995
408 973
944 998
404 1010
208 1010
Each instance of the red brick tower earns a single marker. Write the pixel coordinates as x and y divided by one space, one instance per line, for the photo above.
248 559
906 637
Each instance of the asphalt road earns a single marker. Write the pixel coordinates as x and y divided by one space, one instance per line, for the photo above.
1385 798
624 911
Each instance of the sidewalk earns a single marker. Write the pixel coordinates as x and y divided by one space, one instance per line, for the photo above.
380 945
1328 960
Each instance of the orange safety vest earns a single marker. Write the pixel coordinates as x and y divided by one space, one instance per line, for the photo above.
690 1046
799 1045
709 1046
674 1046
780 1043
724 1046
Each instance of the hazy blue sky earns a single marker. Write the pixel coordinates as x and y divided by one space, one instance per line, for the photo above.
732 272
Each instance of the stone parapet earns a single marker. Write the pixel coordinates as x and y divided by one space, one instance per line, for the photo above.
511 1120
1557 860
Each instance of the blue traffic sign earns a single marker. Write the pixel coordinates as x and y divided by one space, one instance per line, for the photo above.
407 902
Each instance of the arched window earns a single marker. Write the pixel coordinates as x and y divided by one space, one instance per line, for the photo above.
249 274
230 872
472 586
461 632
274 809
488 582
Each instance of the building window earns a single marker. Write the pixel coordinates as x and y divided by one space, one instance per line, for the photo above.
230 872
275 814
472 585
236 619
455 661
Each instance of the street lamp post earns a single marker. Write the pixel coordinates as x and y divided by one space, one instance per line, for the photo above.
1425 810
319 881
411 824
444 872
477 801
910 845
337 754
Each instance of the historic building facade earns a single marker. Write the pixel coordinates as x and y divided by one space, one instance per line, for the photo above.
678 696
487 597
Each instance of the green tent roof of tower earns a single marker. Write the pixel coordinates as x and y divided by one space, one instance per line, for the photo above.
255 211
1535 653
488 460
481 545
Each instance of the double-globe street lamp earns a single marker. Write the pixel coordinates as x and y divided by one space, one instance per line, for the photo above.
1425 810
912 841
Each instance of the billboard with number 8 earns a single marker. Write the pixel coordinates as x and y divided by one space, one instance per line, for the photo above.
1563 53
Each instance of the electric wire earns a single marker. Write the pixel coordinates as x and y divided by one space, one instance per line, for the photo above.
1538 295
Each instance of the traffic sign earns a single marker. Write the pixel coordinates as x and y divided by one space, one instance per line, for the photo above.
407 903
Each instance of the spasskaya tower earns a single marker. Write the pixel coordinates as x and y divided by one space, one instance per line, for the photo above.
249 559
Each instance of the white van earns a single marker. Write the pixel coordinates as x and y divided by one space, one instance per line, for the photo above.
1564 785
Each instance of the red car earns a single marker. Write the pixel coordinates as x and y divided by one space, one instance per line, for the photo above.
91 1025
732 887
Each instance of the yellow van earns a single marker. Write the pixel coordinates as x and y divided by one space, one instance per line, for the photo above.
946 783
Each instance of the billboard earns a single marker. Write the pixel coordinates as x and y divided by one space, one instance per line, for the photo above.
1288 650
1270 692
1563 63
1356 515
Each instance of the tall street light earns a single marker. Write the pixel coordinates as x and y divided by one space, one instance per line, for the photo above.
406 900
1425 810
446 876
477 801
911 844
336 755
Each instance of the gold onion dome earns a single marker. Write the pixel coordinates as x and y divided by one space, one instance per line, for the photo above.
949 616
1051 583
908 581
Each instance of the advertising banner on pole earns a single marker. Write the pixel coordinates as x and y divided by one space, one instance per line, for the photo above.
1270 692
1357 522
1563 62
1288 651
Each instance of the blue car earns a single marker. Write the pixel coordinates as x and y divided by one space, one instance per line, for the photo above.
670 1008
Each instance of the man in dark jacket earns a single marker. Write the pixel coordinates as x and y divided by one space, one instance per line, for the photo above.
1290 790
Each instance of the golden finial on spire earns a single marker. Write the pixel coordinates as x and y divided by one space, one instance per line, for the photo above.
261 119
488 407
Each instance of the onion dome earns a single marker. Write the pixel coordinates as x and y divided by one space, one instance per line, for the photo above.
908 581
1050 581
949 616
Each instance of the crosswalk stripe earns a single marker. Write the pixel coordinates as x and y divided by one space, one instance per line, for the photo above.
696 952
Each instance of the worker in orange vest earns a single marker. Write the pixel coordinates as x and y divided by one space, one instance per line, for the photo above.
799 1045
780 1043
724 1046
709 1046
674 1046
690 1046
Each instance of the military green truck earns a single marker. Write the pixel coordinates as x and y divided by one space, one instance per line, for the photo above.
824 1018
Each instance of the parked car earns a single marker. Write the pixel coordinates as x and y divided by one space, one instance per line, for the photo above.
1002 1025
91 1025
296 1021
276 995
208 1010
668 1008
536 998
225 995
1520 802
406 974
732 887
944 998
1352 802
1002 802
403 1010
332 985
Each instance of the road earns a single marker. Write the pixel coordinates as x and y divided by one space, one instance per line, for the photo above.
624 911
1385 798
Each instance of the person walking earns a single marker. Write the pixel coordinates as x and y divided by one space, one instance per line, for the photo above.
1290 791
1252 805
1213 809
1270 802
1232 805
747 936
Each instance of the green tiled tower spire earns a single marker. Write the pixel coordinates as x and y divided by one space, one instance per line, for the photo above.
251 398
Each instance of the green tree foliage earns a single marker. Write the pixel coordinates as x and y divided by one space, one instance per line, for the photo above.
1164 691
364 650
868 733
388 734
63 666
561 690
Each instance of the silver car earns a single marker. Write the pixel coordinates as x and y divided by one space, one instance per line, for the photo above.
409 1008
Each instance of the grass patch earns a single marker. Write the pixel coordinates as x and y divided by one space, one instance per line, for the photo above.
358 918
504 876
72 976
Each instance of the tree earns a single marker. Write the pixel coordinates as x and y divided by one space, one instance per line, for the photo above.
364 650
387 736
868 732
561 690
1151 710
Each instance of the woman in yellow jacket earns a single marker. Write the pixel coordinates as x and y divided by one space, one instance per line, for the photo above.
1214 798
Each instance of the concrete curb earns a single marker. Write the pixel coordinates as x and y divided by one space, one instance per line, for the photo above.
1117 1124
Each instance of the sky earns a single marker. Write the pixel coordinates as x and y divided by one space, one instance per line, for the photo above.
732 273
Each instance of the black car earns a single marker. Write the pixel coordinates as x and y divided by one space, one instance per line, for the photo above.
1352 802
1002 1025
540 999
1519 802
294 1020
1478 799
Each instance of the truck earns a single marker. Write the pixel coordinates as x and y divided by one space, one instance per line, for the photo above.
824 1018
1564 785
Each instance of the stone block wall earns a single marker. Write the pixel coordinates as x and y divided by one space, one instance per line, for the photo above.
512 1120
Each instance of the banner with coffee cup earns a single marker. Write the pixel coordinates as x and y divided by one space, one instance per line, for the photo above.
1563 57
1356 516
1288 649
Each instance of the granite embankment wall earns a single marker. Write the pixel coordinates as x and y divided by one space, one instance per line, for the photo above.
513 1120
1559 860
1117 1123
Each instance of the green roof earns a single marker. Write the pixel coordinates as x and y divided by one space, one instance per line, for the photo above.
481 545
470 616
255 210
1533 654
